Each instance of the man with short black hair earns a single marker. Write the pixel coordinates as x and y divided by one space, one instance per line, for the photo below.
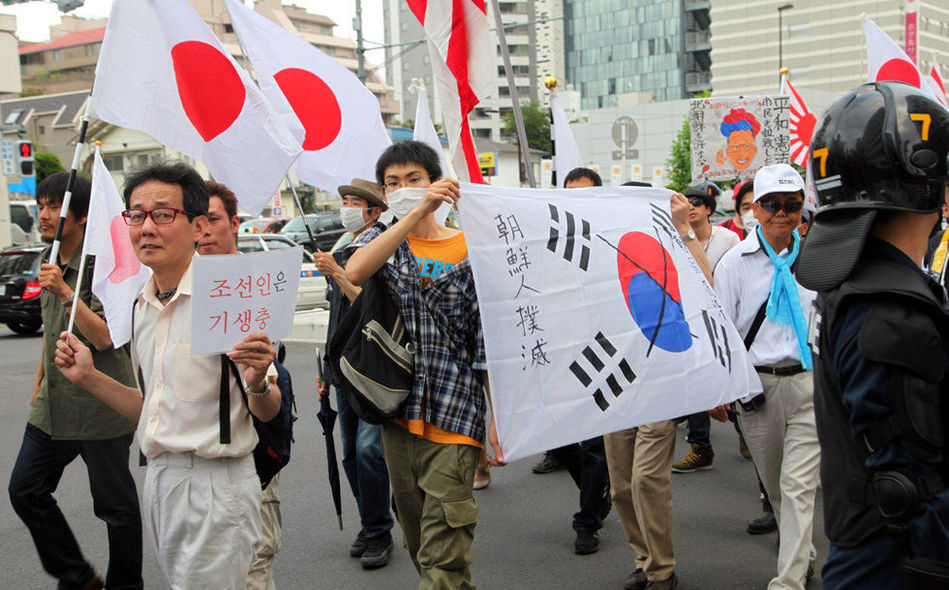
715 241
582 177
201 496
432 448
67 421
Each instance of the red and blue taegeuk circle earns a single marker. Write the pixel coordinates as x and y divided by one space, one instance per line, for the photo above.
650 283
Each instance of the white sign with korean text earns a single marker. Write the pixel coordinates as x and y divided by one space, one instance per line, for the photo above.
238 294
595 316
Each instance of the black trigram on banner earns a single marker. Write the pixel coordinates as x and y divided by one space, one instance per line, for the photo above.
569 226
718 339
662 220
591 356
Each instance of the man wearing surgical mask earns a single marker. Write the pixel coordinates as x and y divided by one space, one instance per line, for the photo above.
433 445
363 203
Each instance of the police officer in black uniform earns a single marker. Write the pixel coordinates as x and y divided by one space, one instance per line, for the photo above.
880 337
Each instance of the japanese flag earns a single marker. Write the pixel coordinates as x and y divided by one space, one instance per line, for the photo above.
595 316
162 71
118 276
331 113
936 78
886 61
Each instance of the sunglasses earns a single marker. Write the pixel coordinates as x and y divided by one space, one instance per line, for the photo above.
697 201
774 206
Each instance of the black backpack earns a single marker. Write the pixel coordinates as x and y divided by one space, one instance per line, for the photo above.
372 354
272 452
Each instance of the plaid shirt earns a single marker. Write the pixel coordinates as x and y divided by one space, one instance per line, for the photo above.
444 322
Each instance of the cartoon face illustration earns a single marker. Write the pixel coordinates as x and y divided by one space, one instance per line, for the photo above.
741 148
740 129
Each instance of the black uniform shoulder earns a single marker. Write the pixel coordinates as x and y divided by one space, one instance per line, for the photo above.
895 331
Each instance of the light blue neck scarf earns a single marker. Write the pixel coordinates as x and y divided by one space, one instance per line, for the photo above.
784 304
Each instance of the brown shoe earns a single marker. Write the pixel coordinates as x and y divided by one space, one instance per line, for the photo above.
94 583
743 448
694 460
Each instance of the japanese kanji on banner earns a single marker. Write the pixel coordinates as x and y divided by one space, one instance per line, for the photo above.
734 137
595 316
237 294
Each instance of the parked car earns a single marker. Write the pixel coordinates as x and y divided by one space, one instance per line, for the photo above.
20 289
312 291
275 226
326 229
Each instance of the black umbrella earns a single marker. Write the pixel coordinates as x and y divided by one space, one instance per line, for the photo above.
327 416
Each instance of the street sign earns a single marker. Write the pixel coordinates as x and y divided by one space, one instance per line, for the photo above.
8 157
625 134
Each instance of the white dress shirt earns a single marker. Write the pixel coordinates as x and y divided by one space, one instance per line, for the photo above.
743 282
180 412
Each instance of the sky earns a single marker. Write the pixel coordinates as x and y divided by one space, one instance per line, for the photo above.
34 18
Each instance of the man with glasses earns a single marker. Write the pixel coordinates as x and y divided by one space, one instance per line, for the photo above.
756 286
201 497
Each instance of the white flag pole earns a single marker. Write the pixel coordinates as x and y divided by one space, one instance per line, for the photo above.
82 261
54 250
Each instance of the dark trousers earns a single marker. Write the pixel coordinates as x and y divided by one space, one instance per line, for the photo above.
365 469
700 425
36 474
874 564
586 462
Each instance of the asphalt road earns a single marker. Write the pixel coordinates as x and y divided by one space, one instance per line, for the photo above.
524 539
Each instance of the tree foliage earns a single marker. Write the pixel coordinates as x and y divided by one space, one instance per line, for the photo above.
679 164
47 163
536 125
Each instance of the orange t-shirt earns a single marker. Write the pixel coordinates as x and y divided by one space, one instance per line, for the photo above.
434 258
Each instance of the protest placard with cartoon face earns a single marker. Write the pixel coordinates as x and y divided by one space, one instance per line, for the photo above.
732 138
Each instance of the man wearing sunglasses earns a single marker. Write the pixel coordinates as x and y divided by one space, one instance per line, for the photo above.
201 498
756 286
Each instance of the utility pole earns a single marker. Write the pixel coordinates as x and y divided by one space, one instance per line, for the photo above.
360 49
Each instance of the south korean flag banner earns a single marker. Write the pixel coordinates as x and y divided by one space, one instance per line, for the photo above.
596 318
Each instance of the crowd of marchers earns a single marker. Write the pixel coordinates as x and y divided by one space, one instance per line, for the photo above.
843 312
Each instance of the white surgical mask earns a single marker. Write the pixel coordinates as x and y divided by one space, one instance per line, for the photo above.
403 200
352 218
748 221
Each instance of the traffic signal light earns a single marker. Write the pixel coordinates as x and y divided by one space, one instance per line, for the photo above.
24 151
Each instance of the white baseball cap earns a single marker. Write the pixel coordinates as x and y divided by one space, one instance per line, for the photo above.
777 178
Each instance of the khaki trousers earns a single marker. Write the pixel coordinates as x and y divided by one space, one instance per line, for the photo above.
261 571
432 485
782 438
203 518
640 462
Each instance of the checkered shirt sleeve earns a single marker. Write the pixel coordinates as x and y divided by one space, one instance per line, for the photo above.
444 322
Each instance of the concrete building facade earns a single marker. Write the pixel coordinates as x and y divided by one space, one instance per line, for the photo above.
822 42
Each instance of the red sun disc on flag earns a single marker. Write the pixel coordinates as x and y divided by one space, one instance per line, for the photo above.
899 70
314 104
127 264
212 92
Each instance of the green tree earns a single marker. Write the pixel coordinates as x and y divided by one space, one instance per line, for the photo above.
536 126
47 163
679 163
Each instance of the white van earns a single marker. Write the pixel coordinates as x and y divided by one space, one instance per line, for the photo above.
24 222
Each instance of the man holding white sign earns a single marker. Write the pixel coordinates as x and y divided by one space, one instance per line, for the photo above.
193 477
